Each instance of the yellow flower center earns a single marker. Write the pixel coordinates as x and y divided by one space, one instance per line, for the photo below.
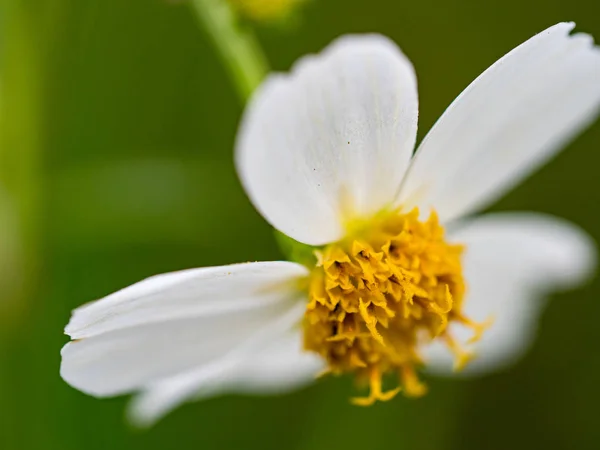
265 10
379 294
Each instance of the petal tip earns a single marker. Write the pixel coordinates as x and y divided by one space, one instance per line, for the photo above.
137 415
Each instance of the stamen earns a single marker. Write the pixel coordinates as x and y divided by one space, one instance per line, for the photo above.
462 357
412 386
376 392
478 328
370 322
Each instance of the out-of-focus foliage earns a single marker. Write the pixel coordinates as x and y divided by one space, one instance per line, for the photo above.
117 153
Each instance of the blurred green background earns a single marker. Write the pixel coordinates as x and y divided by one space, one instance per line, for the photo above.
117 125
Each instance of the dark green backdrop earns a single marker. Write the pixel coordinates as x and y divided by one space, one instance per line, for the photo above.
117 148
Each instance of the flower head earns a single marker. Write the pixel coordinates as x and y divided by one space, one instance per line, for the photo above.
266 10
395 275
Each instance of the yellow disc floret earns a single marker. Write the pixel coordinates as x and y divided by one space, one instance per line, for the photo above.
379 294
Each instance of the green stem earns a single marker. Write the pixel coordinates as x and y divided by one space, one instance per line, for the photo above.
20 164
237 47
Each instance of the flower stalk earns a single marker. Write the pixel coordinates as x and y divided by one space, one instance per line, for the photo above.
20 170
237 46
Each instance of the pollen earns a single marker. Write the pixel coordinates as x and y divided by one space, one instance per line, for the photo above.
378 295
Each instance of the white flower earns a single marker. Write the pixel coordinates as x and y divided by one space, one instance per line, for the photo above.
325 153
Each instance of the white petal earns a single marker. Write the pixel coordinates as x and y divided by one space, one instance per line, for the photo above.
512 261
507 123
330 140
277 367
280 367
186 294
129 347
